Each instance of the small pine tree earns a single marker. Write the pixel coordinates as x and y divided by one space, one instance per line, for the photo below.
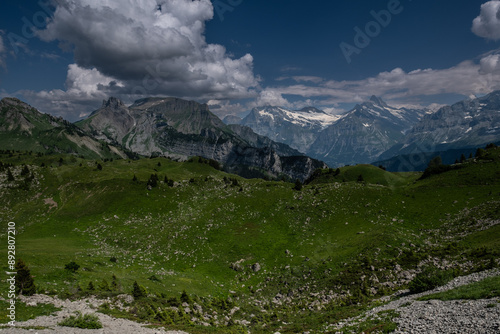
104 286
72 266
25 171
185 297
337 172
480 153
91 287
153 181
114 283
61 161
138 291
234 183
25 284
361 178
298 185
10 177
462 158
99 167
134 178
435 162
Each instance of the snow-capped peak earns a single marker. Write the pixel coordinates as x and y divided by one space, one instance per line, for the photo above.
307 117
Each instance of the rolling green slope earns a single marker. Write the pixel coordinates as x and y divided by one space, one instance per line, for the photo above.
323 252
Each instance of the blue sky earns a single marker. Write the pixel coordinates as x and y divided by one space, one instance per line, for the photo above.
65 56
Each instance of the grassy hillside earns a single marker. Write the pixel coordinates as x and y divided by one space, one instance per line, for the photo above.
323 252
22 127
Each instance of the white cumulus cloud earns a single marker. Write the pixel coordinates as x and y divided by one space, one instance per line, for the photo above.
397 85
153 47
487 24
490 64
84 89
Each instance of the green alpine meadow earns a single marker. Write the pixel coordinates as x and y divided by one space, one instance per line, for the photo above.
203 251
249 167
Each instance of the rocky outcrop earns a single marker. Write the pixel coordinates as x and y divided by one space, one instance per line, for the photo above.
177 128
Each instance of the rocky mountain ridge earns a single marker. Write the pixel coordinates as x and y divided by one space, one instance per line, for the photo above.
374 131
177 128
24 127
467 124
297 129
363 133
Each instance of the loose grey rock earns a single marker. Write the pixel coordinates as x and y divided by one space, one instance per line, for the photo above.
89 305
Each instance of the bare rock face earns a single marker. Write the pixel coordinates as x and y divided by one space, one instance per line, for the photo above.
177 128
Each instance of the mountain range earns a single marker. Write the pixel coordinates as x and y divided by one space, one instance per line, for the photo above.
467 124
270 141
363 133
295 128
374 131
179 129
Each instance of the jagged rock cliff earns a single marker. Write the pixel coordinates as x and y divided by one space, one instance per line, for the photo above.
178 128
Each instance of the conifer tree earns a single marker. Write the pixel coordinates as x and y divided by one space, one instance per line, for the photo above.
104 286
25 284
25 171
10 177
114 283
138 291
185 297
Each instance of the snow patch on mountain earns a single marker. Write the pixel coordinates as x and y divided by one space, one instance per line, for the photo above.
306 118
